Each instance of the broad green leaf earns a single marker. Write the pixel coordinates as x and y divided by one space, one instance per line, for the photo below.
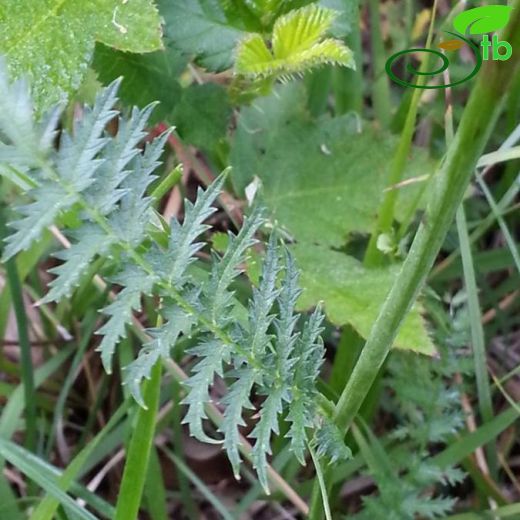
146 77
353 294
322 179
201 29
52 41
298 43
203 114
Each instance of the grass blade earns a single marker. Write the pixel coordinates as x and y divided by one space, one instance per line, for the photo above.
477 333
25 462
47 507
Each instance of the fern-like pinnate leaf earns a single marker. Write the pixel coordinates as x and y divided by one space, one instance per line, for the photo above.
182 247
308 353
237 399
135 282
75 165
213 353
330 444
77 161
49 201
226 269
267 425
269 355
91 242
298 43
178 323
105 190
25 140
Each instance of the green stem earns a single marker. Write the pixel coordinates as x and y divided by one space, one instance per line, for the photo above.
381 86
166 184
448 187
138 453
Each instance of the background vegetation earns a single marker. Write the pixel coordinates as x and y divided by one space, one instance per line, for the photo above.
338 310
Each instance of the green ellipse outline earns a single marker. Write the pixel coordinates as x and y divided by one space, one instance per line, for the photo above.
446 63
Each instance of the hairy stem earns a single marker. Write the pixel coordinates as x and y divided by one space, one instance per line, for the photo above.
448 187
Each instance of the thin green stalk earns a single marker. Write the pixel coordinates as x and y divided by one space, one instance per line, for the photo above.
166 184
25 346
373 256
448 188
381 85
510 241
507 199
470 282
321 483
138 453
477 334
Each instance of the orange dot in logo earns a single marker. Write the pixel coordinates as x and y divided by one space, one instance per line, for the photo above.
451 45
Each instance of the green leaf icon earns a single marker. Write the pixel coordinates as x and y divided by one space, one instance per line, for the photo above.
481 20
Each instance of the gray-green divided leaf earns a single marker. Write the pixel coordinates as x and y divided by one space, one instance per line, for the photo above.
182 246
212 353
268 423
354 295
237 399
135 282
50 200
330 442
163 340
52 41
322 179
89 241
105 191
225 270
